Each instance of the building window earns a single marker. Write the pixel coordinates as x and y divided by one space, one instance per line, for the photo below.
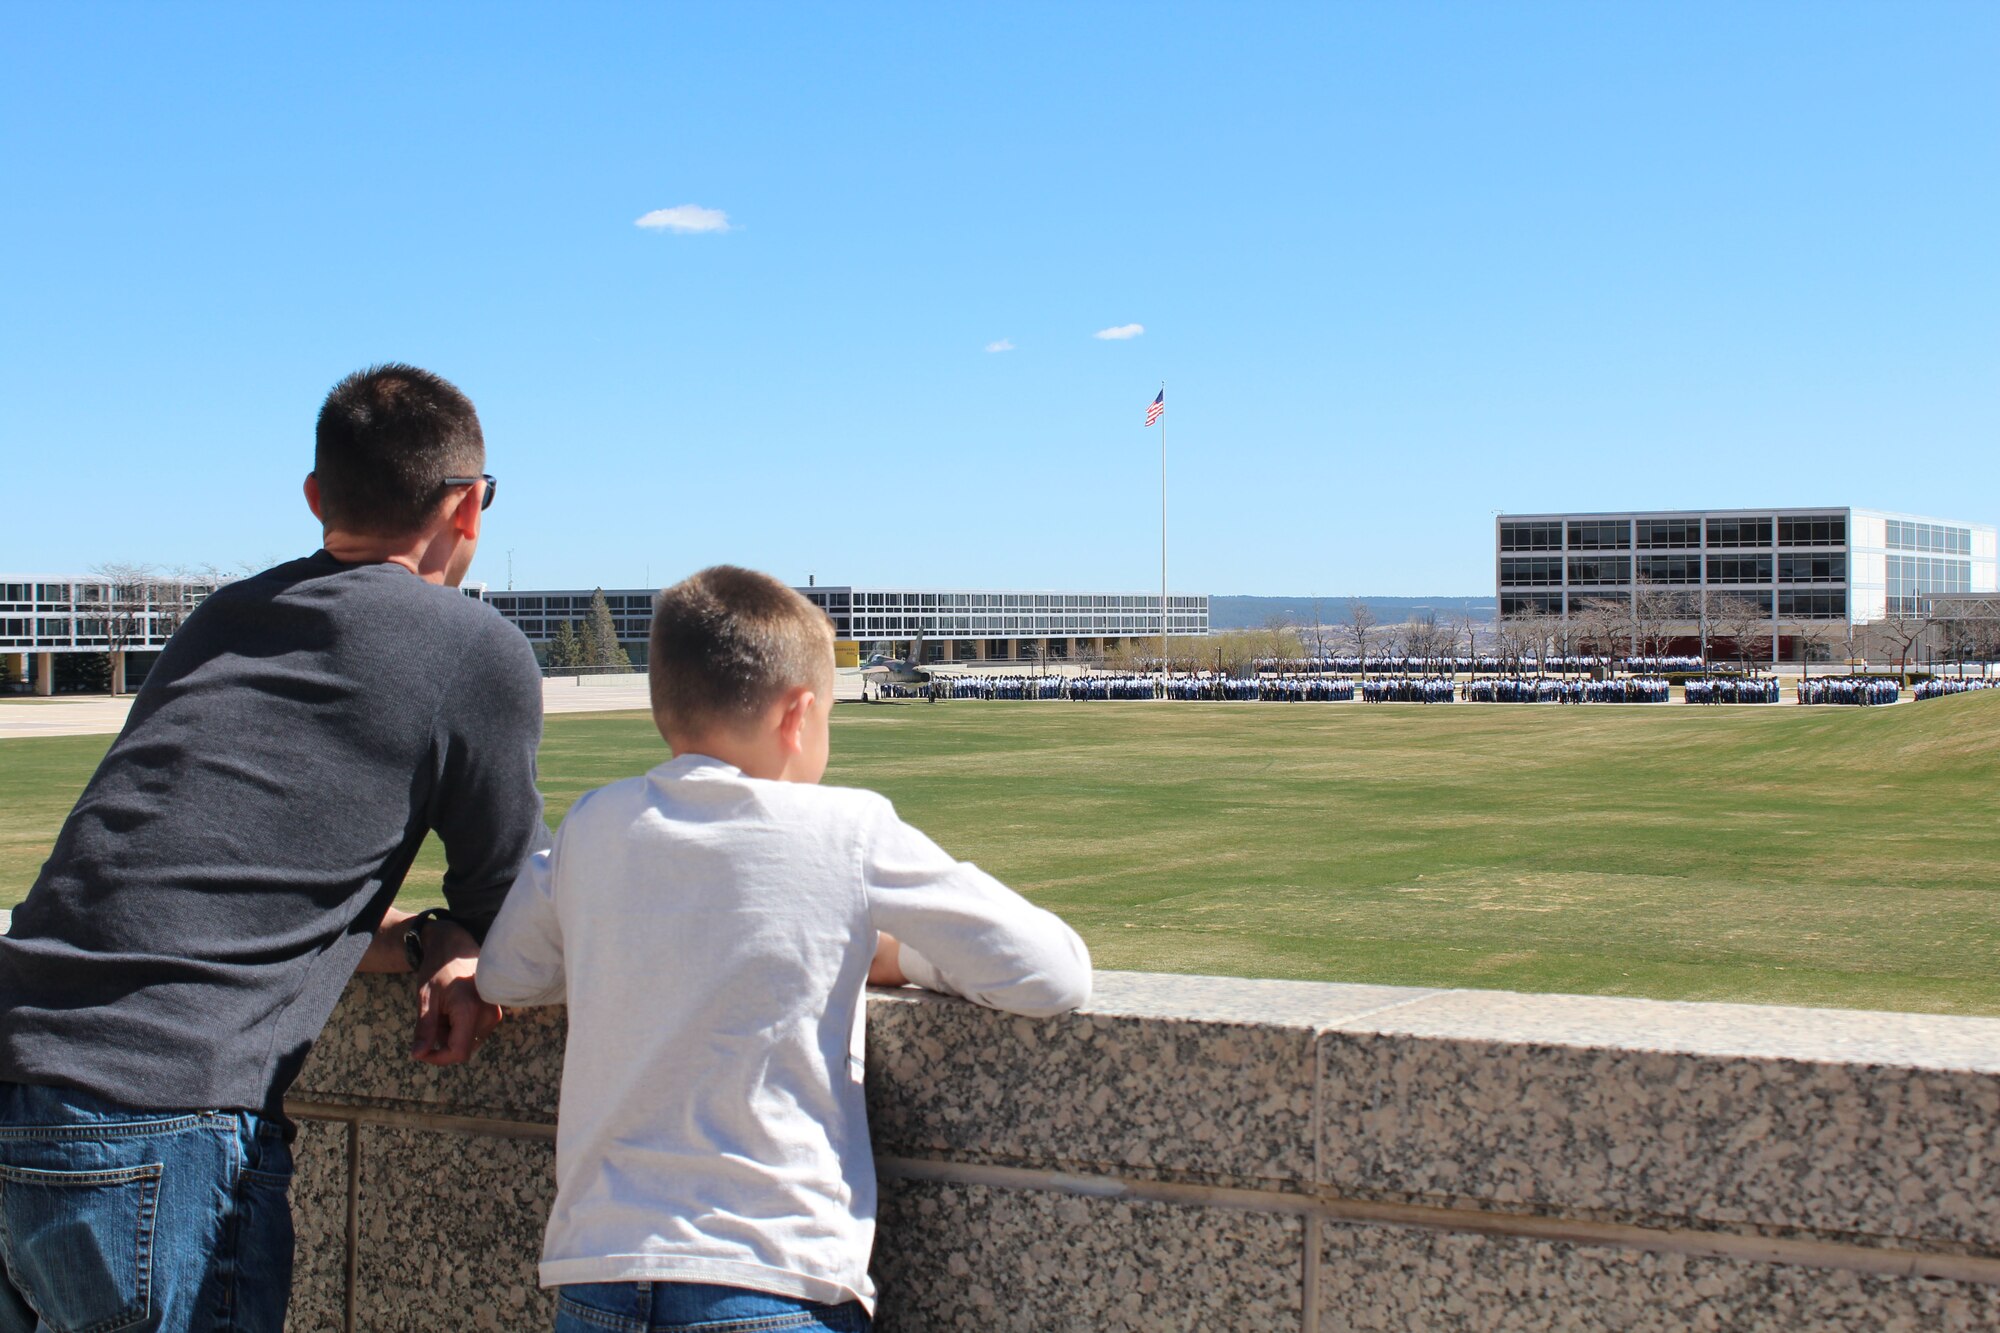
1600 571
1739 568
1531 572
1531 536
1935 537
1669 534
1600 535
1672 568
1819 530
1758 598
1812 605
1812 569
1739 532
1531 604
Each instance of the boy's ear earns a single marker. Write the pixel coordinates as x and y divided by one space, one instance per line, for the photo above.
797 708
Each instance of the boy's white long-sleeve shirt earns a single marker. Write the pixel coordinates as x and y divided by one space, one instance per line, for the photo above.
711 934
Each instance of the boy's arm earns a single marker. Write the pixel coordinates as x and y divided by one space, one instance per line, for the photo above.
960 931
521 962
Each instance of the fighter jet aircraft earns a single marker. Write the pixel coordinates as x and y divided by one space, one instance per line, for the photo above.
886 670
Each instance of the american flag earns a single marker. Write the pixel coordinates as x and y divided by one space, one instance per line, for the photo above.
1156 408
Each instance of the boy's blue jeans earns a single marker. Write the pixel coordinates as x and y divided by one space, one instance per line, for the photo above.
115 1219
662 1307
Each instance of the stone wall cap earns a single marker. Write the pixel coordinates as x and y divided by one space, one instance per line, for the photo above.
1738 1031
1675 1027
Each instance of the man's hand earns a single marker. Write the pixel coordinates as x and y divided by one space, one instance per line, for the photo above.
451 1018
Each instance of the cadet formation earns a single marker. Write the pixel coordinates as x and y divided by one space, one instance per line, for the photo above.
1846 690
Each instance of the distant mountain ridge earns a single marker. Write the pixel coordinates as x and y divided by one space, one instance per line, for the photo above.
1256 612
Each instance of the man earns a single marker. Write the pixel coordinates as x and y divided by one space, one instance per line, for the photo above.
232 863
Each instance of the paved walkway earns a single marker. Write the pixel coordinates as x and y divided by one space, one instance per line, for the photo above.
95 715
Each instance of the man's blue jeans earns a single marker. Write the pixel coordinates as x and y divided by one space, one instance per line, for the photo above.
659 1307
164 1221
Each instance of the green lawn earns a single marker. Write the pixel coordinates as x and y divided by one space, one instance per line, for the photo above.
1825 856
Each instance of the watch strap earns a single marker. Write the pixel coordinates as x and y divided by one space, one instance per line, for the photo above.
413 934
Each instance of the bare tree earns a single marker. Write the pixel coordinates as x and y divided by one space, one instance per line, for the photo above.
1424 639
1655 609
1740 619
1601 625
1899 631
1815 635
1361 623
1320 640
1465 630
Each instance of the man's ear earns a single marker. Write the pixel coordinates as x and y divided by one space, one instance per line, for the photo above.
798 705
312 495
466 512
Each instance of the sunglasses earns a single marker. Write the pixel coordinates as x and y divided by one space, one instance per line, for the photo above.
492 485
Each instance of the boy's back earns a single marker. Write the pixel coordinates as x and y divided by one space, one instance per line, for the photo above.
711 934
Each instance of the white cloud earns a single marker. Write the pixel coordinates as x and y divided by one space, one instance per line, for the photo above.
685 218
1001 345
1120 332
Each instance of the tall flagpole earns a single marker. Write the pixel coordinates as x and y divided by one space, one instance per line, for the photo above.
1163 538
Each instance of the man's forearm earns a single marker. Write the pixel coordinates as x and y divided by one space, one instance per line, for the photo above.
385 951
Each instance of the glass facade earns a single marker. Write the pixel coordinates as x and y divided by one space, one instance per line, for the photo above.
1531 572
1911 578
870 614
1739 532
1818 530
1668 534
1531 536
85 615
1600 535
1739 569
1939 537
1671 568
1852 564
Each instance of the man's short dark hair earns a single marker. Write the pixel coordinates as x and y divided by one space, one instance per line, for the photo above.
388 436
726 643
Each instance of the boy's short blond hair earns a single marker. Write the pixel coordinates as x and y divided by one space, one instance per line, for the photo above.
726 643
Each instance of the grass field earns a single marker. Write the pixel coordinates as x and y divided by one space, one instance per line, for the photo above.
1824 856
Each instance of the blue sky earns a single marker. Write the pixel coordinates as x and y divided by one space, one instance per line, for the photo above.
1400 266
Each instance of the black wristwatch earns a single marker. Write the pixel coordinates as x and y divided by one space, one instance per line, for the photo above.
413 935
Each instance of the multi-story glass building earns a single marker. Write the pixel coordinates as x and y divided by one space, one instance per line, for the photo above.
1853 566
955 625
129 618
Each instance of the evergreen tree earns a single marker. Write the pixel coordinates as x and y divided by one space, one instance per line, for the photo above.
600 637
564 650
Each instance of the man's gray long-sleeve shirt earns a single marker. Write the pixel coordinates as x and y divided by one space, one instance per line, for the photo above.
222 874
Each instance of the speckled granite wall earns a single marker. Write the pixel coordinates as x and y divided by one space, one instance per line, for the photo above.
1202 1153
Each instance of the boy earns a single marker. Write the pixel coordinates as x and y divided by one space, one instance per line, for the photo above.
710 925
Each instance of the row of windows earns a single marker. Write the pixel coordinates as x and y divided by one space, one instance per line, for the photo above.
1012 601
1912 575
1791 605
1671 534
1907 536
1819 530
511 605
1606 571
517 604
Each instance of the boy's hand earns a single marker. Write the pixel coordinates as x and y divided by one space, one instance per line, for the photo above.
451 1018
887 967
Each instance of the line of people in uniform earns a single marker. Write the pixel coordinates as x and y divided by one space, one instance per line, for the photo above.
1396 664
1409 690
1848 690
1937 689
1544 690
1733 690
